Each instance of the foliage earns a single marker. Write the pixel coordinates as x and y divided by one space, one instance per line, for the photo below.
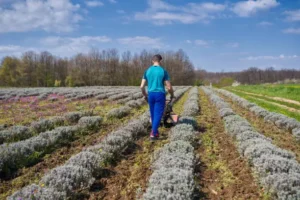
105 67
251 75
57 83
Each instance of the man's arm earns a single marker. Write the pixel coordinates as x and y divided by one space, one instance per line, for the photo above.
143 85
170 88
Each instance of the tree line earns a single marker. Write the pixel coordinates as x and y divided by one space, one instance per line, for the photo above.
252 75
109 67
105 67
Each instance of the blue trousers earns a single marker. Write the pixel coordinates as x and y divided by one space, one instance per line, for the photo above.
157 101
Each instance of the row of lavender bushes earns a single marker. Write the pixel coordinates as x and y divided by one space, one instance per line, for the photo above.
276 169
17 133
173 164
80 171
16 155
279 120
125 110
15 94
28 152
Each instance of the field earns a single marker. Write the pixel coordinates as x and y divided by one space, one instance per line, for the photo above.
284 99
93 143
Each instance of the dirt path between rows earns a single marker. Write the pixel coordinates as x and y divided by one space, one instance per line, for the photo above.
270 97
34 173
223 174
281 138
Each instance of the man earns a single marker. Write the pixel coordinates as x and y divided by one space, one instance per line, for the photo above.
156 77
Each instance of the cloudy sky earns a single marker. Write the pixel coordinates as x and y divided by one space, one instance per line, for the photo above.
218 35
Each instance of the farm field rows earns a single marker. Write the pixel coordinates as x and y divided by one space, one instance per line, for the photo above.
284 91
99 147
278 98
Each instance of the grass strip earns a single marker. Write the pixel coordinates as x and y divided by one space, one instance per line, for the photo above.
269 106
291 105
284 91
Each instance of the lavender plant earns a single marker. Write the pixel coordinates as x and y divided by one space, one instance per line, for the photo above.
279 120
276 169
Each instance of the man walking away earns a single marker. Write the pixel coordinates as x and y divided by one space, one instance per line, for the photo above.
156 77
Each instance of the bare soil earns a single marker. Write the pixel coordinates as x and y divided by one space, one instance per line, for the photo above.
222 174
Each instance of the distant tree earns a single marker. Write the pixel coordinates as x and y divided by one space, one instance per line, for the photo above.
9 71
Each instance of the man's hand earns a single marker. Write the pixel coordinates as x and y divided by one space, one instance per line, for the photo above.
146 98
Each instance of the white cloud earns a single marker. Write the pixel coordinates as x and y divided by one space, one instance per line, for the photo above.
280 57
292 30
265 23
48 15
251 7
188 41
112 1
94 3
141 41
71 45
292 15
160 12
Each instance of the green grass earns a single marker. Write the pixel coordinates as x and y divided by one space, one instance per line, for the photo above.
287 91
269 106
291 105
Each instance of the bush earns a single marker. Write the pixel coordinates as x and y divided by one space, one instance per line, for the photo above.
90 123
15 133
119 112
36 192
68 178
47 124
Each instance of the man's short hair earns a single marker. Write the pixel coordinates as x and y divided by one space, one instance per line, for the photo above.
157 58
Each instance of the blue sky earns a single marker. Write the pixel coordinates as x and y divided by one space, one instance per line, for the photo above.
217 35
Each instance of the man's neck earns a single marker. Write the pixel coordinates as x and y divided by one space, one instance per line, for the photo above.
156 64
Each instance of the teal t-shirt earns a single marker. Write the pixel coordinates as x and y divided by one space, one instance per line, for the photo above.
155 77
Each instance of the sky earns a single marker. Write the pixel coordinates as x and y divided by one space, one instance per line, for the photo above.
230 35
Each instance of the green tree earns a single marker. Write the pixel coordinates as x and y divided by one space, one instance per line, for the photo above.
57 83
226 81
69 81
9 73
